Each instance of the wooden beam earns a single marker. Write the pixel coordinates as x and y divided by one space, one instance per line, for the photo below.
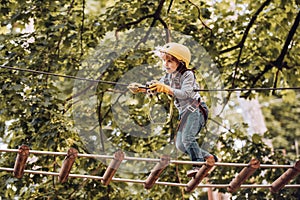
113 167
246 172
201 174
291 173
156 171
67 165
20 162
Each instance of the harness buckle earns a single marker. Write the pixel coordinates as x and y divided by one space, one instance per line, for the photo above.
191 108
194 106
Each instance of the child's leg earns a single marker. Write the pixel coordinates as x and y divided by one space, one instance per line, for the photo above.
179 144
192 126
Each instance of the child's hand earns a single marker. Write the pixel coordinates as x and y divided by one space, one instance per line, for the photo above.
160 87
136 88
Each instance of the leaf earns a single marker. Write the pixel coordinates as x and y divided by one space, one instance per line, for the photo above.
289 96
79 40
256 138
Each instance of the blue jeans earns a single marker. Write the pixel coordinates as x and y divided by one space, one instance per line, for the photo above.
186 136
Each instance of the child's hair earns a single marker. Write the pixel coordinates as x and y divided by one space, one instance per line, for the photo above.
182 66
170 57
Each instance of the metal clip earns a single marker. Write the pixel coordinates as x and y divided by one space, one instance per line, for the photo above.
194 106
191 108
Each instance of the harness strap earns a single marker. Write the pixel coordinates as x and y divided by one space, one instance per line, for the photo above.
196 104
204 112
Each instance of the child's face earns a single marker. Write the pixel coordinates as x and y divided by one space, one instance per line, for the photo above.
170 63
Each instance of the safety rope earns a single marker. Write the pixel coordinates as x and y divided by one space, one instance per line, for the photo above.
170 114
125 84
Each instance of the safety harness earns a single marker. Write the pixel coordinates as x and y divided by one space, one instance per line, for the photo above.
194 103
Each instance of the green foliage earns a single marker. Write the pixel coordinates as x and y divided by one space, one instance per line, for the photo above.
78 38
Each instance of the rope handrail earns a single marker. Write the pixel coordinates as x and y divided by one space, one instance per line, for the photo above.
24 151
124 84
147 159
142 181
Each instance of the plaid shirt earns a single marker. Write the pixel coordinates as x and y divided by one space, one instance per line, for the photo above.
183 86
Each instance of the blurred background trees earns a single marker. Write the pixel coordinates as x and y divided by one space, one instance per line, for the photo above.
248 44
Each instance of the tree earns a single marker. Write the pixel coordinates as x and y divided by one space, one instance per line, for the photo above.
239 45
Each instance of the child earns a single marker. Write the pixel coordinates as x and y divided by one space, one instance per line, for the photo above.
180 83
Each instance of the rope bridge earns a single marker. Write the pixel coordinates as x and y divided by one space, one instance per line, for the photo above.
162 163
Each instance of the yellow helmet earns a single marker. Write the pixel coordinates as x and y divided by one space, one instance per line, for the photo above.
179 51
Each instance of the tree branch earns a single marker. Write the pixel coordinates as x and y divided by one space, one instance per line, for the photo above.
134 22
82 28
155 16
64 21
275 81
100 119
199 17
168 34
279 63
245 35
170 5
241 46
